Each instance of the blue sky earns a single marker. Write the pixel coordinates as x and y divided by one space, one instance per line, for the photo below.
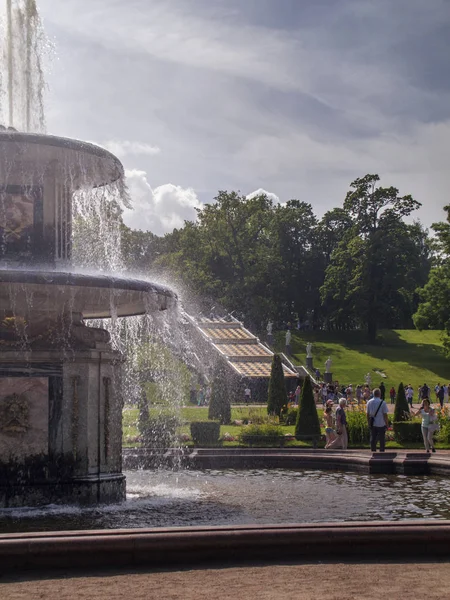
294 97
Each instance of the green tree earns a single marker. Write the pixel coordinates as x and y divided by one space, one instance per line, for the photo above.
432 311
228 254
277 396
298 273
372 270
307 425
401 409
219 406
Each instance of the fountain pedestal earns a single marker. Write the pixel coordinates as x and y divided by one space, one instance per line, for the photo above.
60 432
60 380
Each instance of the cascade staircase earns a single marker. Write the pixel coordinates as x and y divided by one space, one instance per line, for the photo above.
226 338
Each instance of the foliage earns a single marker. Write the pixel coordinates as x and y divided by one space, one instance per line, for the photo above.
401 410
408 431
356 267
434 296
307 425
220 407
290 418
277 387
205 433
261 435
159 431
164 378
357 427
443 434
379 261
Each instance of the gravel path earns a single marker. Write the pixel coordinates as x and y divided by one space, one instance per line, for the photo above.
284 582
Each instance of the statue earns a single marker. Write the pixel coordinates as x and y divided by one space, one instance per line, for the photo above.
368 379
328 364
269 328
309 350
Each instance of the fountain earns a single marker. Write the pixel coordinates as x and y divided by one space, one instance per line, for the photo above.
60 379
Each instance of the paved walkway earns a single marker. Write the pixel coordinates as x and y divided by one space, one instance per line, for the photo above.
339 581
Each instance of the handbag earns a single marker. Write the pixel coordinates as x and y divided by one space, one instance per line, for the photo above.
372 419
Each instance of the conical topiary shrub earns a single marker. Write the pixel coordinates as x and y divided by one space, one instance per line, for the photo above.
219 406
308 425
401 409
277 397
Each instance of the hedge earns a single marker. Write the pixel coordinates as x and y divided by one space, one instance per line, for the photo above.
357 428
408 431
205 433
261 435
159 431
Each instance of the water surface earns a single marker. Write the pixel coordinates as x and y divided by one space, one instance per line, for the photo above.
187 498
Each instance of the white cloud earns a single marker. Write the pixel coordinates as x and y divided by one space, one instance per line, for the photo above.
261 191
158 210
123 148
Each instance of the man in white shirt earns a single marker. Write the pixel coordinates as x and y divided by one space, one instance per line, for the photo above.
410 394
247 395
377 418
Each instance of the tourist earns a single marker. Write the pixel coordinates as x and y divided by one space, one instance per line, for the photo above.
383 391
341 440
409 393
201 397
316 393
366 393
440 396
425 392
330 433
247 395
377 418
208 395
298 391
445 393
437 387
324 392
429 424
317 372
392 394
331 392
358 394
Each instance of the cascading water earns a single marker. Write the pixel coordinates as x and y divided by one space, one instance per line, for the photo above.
61 384
22 71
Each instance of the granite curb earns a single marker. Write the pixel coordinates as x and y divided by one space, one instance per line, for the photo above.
170 547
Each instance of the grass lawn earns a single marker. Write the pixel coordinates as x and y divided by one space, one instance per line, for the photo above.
409 356
194 413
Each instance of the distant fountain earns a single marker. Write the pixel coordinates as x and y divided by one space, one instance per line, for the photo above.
60 379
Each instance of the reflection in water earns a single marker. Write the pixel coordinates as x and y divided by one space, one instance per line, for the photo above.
187 498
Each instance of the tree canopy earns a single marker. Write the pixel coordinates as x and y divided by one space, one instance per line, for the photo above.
356 267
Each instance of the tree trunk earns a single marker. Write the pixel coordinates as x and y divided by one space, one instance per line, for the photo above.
372 329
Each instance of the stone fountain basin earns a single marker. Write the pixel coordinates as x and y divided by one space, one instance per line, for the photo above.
28 292
27 157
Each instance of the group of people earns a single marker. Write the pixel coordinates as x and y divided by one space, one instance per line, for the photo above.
200 396
377 420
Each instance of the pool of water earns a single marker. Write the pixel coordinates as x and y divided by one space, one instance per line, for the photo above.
187 498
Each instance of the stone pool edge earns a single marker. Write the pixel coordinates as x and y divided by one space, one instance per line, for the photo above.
178 547
362 461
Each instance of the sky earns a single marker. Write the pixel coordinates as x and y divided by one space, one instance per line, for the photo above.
293 97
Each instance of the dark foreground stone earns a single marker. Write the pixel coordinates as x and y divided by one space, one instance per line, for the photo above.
187 546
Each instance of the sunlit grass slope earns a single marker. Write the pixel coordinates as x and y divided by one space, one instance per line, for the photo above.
410 356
